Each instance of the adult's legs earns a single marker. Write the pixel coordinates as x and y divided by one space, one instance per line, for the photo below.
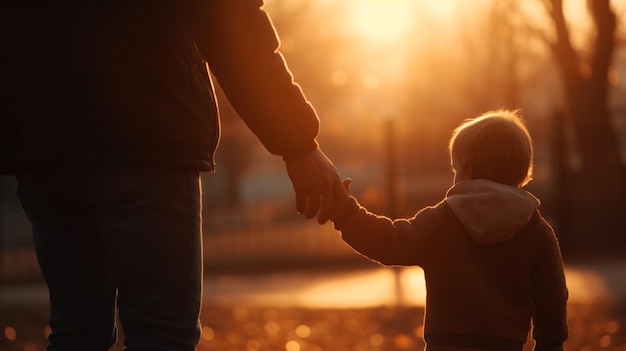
73 261
151 223
137 231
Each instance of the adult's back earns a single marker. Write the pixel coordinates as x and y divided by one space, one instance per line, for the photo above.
103 83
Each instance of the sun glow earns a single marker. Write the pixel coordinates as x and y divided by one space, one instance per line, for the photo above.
381 19
391 20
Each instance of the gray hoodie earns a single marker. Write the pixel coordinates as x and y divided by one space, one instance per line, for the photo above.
491 212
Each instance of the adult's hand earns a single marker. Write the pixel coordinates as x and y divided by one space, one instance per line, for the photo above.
313 177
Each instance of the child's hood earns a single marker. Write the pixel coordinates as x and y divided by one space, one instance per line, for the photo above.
491 212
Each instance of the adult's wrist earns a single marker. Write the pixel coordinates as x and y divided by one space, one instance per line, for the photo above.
300 152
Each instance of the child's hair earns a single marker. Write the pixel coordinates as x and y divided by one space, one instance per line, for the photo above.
496 146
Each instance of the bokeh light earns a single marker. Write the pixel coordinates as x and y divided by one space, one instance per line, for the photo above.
377 339
339 77
303 331
292 345
208 333
10 333
272 328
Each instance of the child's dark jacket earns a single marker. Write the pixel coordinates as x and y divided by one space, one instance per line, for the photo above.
490 260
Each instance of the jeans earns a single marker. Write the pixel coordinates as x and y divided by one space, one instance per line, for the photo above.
129 239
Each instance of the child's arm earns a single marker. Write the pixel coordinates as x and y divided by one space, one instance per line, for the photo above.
379 238
550 294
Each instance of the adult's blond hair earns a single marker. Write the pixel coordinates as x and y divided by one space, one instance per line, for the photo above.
495 146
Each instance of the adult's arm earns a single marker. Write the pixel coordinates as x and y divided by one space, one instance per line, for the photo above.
240 45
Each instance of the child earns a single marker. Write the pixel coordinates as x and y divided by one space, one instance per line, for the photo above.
491 261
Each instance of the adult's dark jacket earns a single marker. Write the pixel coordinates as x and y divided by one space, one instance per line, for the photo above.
124 83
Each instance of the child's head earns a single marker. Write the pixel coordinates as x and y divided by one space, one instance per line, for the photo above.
495 146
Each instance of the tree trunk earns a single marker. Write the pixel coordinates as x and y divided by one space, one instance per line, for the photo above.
598 186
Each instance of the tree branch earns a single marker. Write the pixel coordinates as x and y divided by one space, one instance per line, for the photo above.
606 24
563 50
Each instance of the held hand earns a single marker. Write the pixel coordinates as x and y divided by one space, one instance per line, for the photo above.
313 177
341 194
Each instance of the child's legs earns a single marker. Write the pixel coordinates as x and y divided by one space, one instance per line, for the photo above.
462 342
73 261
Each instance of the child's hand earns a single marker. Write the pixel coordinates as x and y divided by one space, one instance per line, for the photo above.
341 194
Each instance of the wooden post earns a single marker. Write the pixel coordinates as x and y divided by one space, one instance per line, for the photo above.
391 171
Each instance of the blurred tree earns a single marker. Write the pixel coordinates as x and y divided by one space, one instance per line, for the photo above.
589 173
597 184
586 84
495 56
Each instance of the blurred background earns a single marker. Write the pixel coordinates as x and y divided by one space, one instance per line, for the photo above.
390 79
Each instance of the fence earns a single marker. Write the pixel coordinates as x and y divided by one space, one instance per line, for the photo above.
246 245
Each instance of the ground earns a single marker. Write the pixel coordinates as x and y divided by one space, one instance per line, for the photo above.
593 327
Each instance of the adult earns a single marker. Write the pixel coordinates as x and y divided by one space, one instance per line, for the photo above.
108 116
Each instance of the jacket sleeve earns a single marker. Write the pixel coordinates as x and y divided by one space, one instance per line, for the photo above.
549 291
240 45
379 238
